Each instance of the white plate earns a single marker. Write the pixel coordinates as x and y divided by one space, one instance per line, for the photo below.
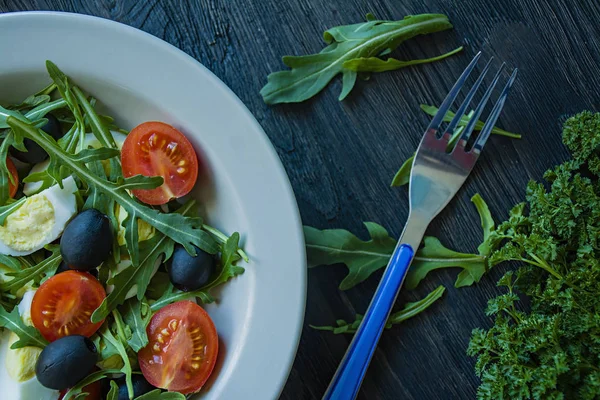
138 78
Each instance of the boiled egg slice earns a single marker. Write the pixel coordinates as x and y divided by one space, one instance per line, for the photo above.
39 220
17 366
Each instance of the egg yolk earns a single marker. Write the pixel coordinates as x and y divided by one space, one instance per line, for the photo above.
29 225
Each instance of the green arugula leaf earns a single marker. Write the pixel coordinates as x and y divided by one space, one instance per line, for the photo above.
183 230
346 44
115 345
408 311
8 209
227 271
160 395
402 177
432 110
338 246
76 392
433 255
10 262
28 335
157 249
113 393
41 110
22 277
136 314
30 102
333 246
375 64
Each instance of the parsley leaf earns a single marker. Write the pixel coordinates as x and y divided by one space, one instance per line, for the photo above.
550 348
350 49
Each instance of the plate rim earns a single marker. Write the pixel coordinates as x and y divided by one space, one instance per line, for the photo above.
295 219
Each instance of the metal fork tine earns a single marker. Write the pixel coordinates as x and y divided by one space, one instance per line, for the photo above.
464 138
463 107
445 106
491 121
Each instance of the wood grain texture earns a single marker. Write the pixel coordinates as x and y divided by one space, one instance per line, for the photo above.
340 157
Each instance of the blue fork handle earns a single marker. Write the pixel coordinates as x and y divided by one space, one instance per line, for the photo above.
350 373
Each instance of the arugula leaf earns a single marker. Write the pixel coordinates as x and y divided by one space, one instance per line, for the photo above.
10 262
113 393
136 314
333 246
160 395
183 230
408 311
338 246
115 345
158 248
28 335
227 271
347 46
432 110
76 392
22 277
433 255
375 64
8 209
41 110
402 177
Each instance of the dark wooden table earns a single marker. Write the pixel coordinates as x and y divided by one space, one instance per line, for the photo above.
341 156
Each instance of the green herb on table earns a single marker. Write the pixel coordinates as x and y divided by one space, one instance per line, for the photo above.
410 310
362 258
403 175
350 50
549 350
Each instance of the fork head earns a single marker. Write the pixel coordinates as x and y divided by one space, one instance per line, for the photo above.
443 159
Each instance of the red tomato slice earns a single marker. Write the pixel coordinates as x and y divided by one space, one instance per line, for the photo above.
182 348
64 304
158 149
93 390
12 187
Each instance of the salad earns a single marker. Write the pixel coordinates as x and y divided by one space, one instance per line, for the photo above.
104 257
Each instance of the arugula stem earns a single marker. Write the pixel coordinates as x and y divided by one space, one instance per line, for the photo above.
222 238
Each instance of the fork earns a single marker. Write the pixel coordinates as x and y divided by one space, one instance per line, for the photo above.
439 169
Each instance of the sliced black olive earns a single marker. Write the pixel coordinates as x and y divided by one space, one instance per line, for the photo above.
35 154
87 240
65 362
190 273
140 387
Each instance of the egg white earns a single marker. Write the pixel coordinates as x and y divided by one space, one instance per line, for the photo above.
64 203
30 389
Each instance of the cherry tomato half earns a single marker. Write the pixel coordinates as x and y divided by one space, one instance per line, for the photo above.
12 188
182 348
64 304
158 149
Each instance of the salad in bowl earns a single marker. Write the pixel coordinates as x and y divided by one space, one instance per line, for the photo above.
105 259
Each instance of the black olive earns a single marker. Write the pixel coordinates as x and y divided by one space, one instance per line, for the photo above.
140 387
64 267
35 154
87 240
65 362
190 273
